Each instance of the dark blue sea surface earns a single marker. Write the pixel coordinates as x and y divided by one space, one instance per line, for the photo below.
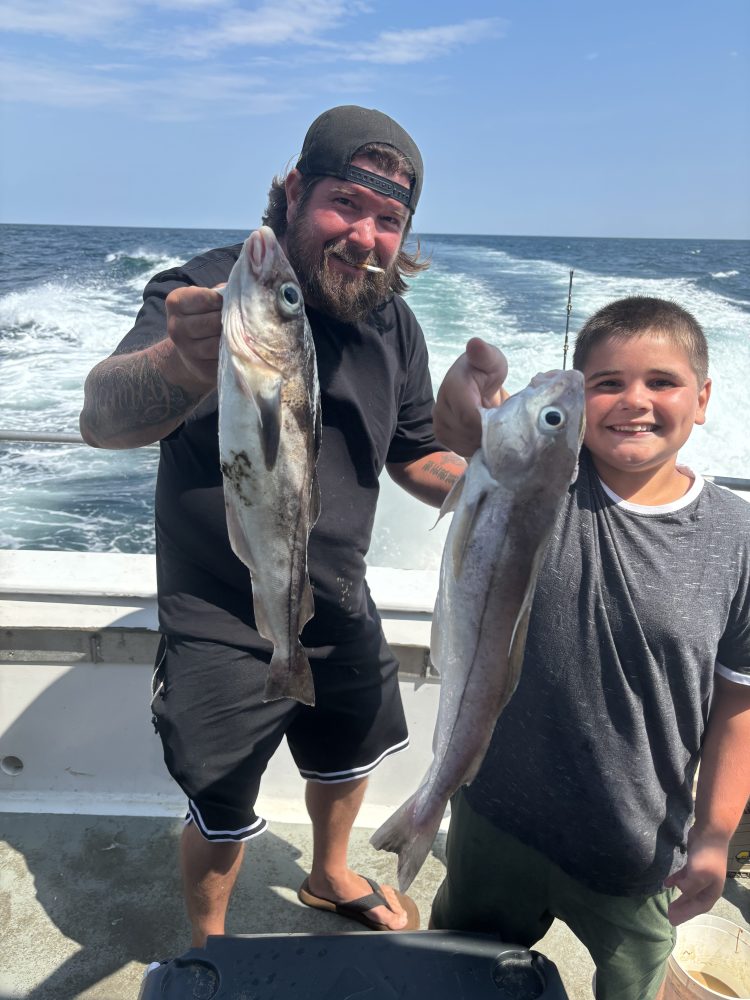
68 294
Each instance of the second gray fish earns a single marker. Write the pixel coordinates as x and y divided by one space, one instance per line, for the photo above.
504 509
269 439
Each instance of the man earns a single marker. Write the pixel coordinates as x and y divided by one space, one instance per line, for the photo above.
348 202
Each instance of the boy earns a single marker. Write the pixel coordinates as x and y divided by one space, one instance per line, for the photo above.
637 664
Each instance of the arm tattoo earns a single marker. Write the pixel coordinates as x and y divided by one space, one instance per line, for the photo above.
447 468
133 394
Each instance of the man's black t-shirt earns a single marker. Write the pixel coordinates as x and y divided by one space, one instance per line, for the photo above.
376 399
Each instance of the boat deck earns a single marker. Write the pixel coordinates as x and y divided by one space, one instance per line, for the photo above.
86 902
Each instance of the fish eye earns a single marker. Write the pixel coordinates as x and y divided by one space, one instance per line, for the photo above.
289 298
551 419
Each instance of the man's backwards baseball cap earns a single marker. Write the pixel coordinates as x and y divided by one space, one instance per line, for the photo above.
334 138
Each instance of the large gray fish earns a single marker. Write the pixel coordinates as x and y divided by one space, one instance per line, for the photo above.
504 508
269 438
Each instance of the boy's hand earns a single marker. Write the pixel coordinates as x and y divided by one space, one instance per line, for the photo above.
474 380
701 881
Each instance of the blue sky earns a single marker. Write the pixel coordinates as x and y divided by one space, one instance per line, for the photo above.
539 117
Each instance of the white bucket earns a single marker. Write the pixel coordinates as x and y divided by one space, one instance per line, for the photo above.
711 958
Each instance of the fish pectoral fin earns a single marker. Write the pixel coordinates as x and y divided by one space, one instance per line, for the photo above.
269 408
261 383
451 500
463 528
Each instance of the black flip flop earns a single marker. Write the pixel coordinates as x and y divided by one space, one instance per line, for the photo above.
357 909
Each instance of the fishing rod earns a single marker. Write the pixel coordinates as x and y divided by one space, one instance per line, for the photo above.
567 318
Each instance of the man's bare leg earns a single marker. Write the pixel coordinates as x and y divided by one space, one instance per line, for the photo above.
209 871
333 809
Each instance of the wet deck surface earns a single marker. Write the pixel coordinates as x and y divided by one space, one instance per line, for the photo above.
87 901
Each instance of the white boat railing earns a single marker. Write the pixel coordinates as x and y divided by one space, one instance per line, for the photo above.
64 437
45 437
42 437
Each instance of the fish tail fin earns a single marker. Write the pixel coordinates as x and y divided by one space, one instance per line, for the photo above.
409 836
290 677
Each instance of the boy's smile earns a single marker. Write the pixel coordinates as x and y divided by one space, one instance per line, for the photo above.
642 402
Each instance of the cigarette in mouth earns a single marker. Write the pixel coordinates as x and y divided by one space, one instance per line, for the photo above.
370 267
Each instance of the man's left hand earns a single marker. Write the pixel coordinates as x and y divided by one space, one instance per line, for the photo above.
474 380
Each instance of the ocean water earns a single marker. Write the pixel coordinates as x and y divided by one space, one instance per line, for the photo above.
68 294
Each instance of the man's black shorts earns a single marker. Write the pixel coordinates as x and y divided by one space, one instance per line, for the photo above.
218 734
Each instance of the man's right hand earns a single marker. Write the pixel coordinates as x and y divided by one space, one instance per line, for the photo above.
138 397
474 381
194 327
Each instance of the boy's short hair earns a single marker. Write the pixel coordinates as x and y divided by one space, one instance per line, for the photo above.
639 314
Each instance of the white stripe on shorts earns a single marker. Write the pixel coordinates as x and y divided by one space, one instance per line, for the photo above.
224 836
332 777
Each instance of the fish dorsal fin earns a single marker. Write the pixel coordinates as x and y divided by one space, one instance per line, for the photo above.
261 383
318 428
306 604
314 499
521 627
260 613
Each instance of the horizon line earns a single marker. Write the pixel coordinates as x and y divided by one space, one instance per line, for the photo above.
412 235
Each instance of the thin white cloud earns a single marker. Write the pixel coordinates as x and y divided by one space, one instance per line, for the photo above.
232 94
81 20
291 22
188 5
209 27
40 83
115 67
420 44
74 19
217 93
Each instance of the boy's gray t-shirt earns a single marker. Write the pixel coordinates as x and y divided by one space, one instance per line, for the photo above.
592 761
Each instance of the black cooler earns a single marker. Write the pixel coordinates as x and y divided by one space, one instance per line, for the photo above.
370 965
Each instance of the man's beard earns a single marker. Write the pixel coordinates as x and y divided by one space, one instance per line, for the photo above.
344 297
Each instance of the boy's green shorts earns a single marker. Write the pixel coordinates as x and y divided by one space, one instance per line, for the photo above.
495 884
